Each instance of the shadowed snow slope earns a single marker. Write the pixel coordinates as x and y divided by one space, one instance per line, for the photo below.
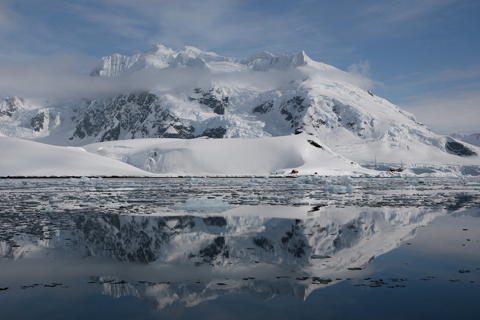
202 156
28 158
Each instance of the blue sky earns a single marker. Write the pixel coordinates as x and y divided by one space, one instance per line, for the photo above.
423 55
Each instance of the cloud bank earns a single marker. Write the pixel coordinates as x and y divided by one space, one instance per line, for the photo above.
447 114
58 79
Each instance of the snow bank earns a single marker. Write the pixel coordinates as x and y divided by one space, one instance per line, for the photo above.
265 156
27 158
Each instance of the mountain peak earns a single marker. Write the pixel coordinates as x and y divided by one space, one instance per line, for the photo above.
159 49
300 58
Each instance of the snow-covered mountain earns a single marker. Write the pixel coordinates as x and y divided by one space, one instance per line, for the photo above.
191 93
473 138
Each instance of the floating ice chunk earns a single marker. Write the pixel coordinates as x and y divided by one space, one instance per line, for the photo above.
84 180
339 189
194 180
343 180
203 206
312 180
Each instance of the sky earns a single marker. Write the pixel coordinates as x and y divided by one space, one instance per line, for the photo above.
423 55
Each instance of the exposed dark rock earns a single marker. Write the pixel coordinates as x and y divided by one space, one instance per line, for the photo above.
461 201
11 107
316 145
263 243
211 100
38 121
215 221
319 256
139 115
214 133
294 243
263 108
214 250
459 149
292 110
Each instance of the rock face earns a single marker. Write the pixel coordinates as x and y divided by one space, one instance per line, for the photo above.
459 149
8 106
128 117
263 95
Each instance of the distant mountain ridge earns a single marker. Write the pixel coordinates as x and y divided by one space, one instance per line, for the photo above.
159 57
260 96
473 138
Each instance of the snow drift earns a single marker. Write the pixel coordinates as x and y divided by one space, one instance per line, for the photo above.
28 158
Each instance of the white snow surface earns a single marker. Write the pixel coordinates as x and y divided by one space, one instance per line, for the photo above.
27 158
174 157
264 156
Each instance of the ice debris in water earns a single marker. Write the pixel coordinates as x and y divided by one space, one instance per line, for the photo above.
194 180
339 189
84 180
203 206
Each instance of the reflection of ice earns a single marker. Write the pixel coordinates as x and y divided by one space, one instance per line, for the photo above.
203 206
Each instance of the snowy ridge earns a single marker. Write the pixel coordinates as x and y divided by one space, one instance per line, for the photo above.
159 57
473 139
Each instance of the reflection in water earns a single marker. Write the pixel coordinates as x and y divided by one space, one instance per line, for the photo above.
190 243
302 255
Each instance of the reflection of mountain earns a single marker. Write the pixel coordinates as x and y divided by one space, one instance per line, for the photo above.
326 243
192 293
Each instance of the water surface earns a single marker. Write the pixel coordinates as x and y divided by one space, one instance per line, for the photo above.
305 248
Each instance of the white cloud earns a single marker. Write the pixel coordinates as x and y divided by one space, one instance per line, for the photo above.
58 79
449 75
446 114
218 25
361 68
392 17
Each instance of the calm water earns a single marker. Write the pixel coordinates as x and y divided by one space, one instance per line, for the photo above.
306 248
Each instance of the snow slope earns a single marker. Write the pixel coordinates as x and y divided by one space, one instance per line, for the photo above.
264 156
172 157
27 158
